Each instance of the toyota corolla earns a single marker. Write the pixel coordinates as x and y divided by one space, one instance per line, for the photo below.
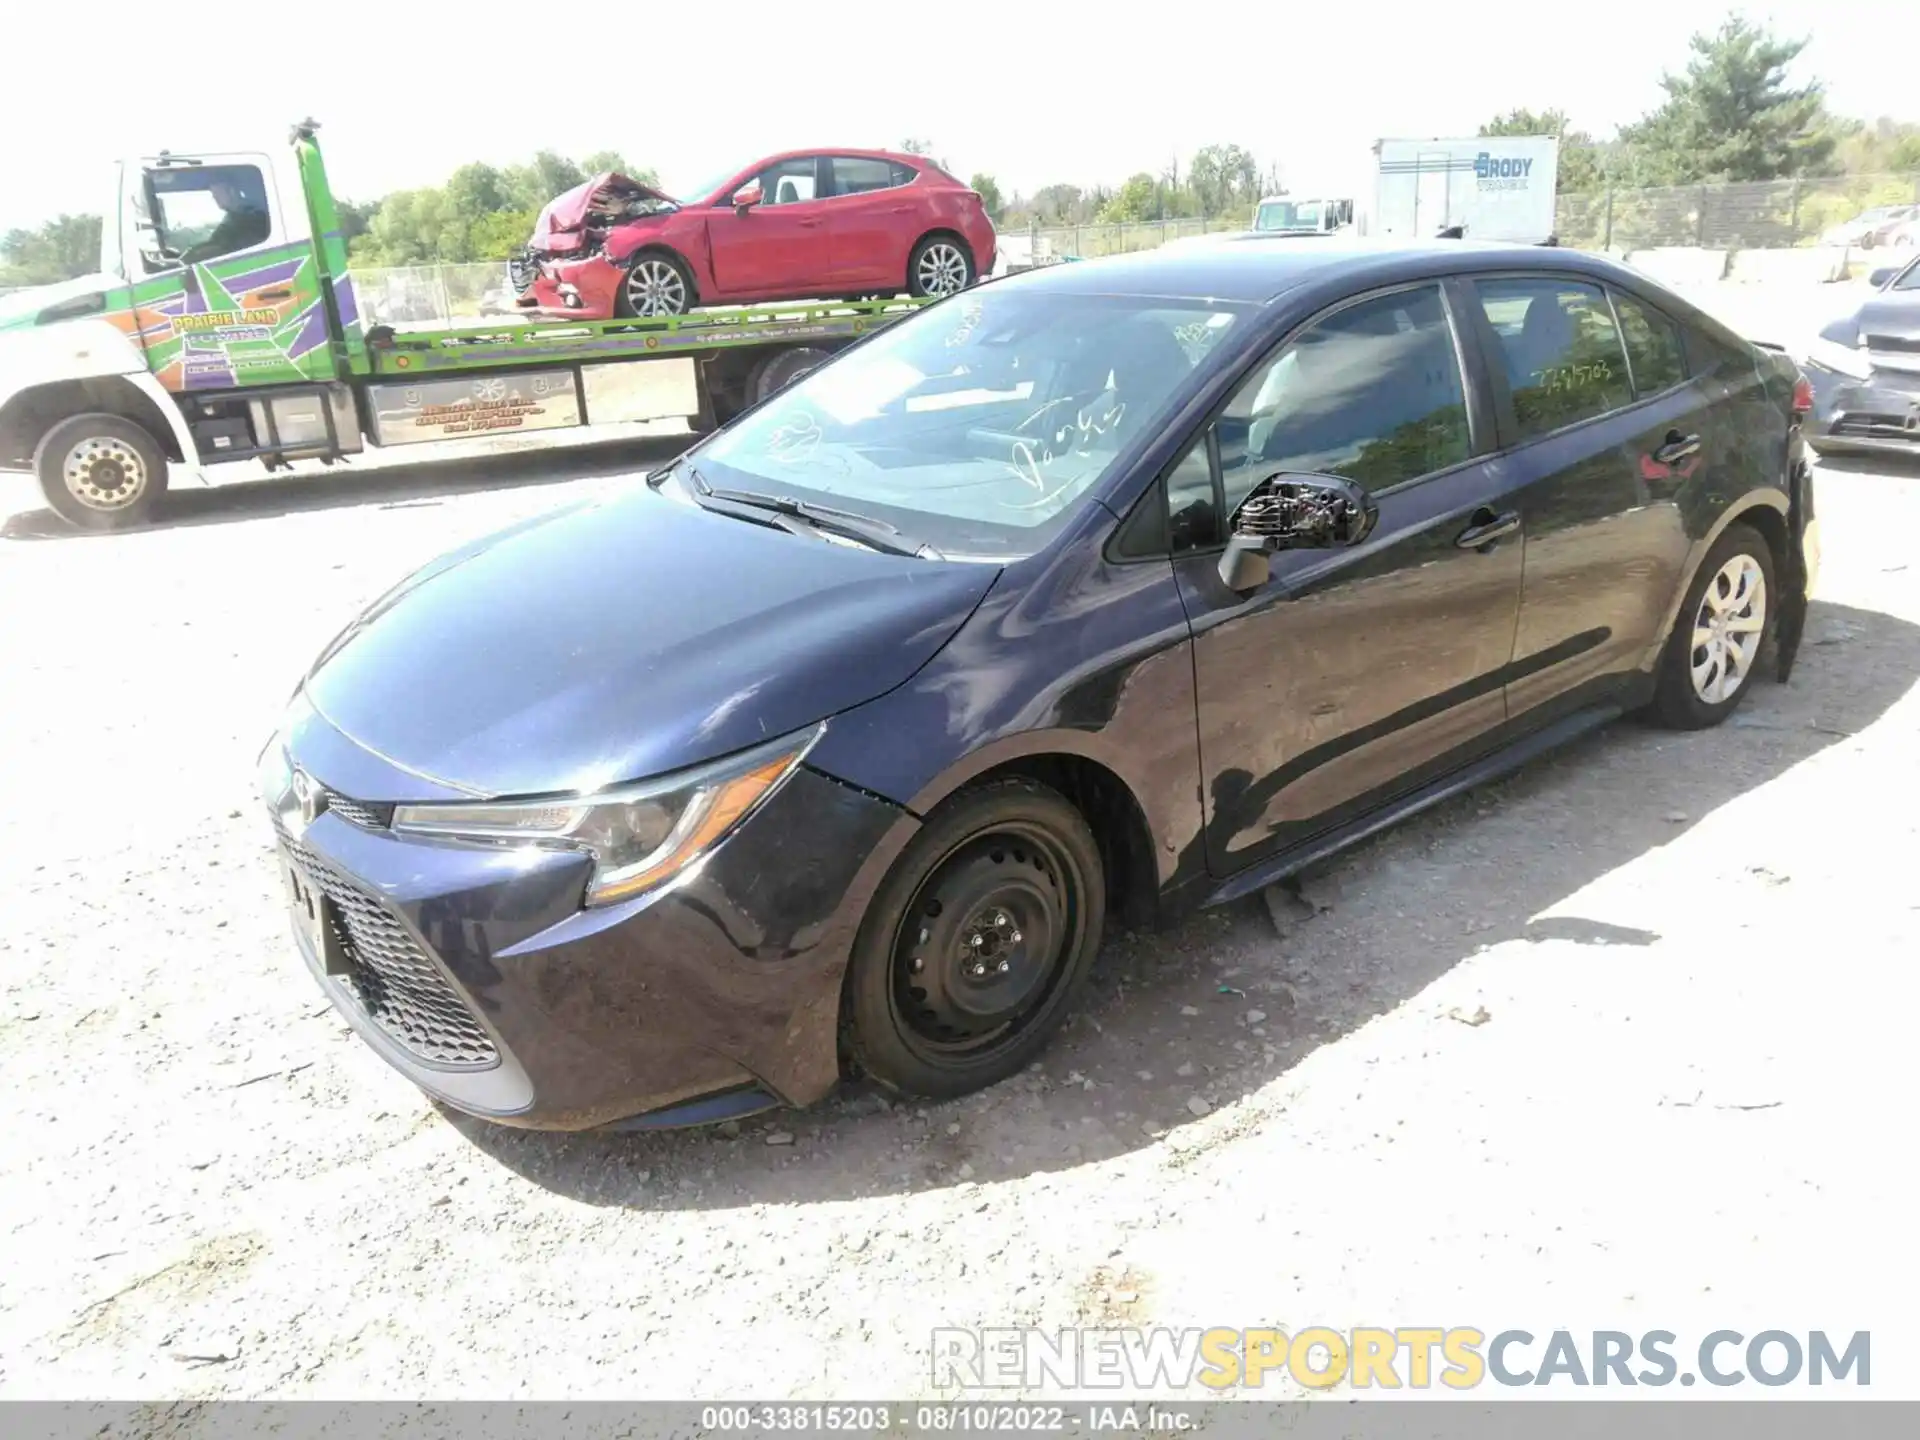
1107 590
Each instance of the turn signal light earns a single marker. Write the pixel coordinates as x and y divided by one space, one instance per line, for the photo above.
1803 396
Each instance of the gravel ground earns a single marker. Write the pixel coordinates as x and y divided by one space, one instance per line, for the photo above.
1612 1043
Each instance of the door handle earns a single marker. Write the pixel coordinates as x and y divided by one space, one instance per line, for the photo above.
808 224
1678 447
1487 529
281 294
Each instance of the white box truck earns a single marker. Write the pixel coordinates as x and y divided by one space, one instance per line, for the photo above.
1487 187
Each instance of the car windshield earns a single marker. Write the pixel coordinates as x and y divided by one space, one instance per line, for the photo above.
1289 215
1909 278
978 424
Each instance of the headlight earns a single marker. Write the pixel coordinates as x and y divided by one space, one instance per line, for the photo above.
1847 360
639 835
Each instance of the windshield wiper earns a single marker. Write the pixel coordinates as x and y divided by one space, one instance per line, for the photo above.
875 534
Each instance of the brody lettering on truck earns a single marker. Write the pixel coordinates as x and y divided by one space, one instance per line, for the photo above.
1501 172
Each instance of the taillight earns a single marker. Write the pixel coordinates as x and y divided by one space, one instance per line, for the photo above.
1803 396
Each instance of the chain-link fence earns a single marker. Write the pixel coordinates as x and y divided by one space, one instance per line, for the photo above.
1762 215
434 294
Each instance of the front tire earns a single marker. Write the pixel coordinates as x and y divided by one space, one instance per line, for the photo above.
977 943
655 286
940 265
100 471
1719 634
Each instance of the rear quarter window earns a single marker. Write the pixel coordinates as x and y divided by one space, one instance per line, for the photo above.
1656 346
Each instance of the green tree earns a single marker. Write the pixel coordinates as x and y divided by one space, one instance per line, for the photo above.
1223 178
1732 115
988 189
1137 200
64 248
1580 163
497 235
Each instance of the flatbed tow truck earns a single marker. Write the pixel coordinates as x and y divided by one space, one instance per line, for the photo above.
188 350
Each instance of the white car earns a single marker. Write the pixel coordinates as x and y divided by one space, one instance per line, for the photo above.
1879 226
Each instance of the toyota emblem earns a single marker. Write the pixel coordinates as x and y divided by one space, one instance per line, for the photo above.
308 794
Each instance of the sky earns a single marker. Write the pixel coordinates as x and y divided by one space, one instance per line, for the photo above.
1031 93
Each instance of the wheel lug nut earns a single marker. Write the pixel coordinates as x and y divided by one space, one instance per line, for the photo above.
1015 937
1003 967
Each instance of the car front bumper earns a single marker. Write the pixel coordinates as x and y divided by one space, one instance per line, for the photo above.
1880 414
476 972
585 288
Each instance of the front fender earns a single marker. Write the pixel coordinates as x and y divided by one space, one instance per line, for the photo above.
53 362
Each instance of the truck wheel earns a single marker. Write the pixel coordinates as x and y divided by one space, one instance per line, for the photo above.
657 285
940 265
780 370
101 472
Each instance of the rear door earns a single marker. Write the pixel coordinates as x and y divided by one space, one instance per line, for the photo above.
226 284
1353 675
782 247
874 218
1598 448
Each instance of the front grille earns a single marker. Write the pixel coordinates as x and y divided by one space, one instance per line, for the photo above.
522 268
359 812
1865 424
396 983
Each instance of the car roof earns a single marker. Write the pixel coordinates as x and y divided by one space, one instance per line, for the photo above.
1254 268
851 151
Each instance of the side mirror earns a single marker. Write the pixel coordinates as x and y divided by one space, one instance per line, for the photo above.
1289 511
1878 279
746 197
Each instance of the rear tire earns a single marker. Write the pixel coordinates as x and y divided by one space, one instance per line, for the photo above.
100 471
977 942
1719 635
781 369
941 264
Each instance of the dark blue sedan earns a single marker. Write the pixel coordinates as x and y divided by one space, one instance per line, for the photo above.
1106 590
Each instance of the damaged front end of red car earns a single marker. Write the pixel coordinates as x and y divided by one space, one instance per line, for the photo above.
564 272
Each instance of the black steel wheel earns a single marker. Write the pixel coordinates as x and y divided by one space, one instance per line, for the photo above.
977 941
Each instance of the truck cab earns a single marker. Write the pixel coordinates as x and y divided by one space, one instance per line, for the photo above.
221 325
1291 215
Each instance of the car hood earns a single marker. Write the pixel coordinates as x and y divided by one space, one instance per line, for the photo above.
24 308
626 637
565 216
1895 316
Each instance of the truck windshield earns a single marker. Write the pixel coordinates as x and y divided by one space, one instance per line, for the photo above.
979 424
1288 215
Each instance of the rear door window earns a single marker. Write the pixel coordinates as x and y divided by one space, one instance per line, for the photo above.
856 175
1656 351
1560 348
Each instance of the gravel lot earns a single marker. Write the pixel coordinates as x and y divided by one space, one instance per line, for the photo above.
1613 1043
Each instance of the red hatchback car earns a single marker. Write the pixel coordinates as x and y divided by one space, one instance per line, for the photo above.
814 224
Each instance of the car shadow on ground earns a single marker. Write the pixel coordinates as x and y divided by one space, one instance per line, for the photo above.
388 485
1192 1018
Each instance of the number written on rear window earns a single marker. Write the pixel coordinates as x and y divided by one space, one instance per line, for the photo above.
1560 349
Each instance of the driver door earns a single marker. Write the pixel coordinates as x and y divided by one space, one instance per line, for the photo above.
781 248
247 315
1352 675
